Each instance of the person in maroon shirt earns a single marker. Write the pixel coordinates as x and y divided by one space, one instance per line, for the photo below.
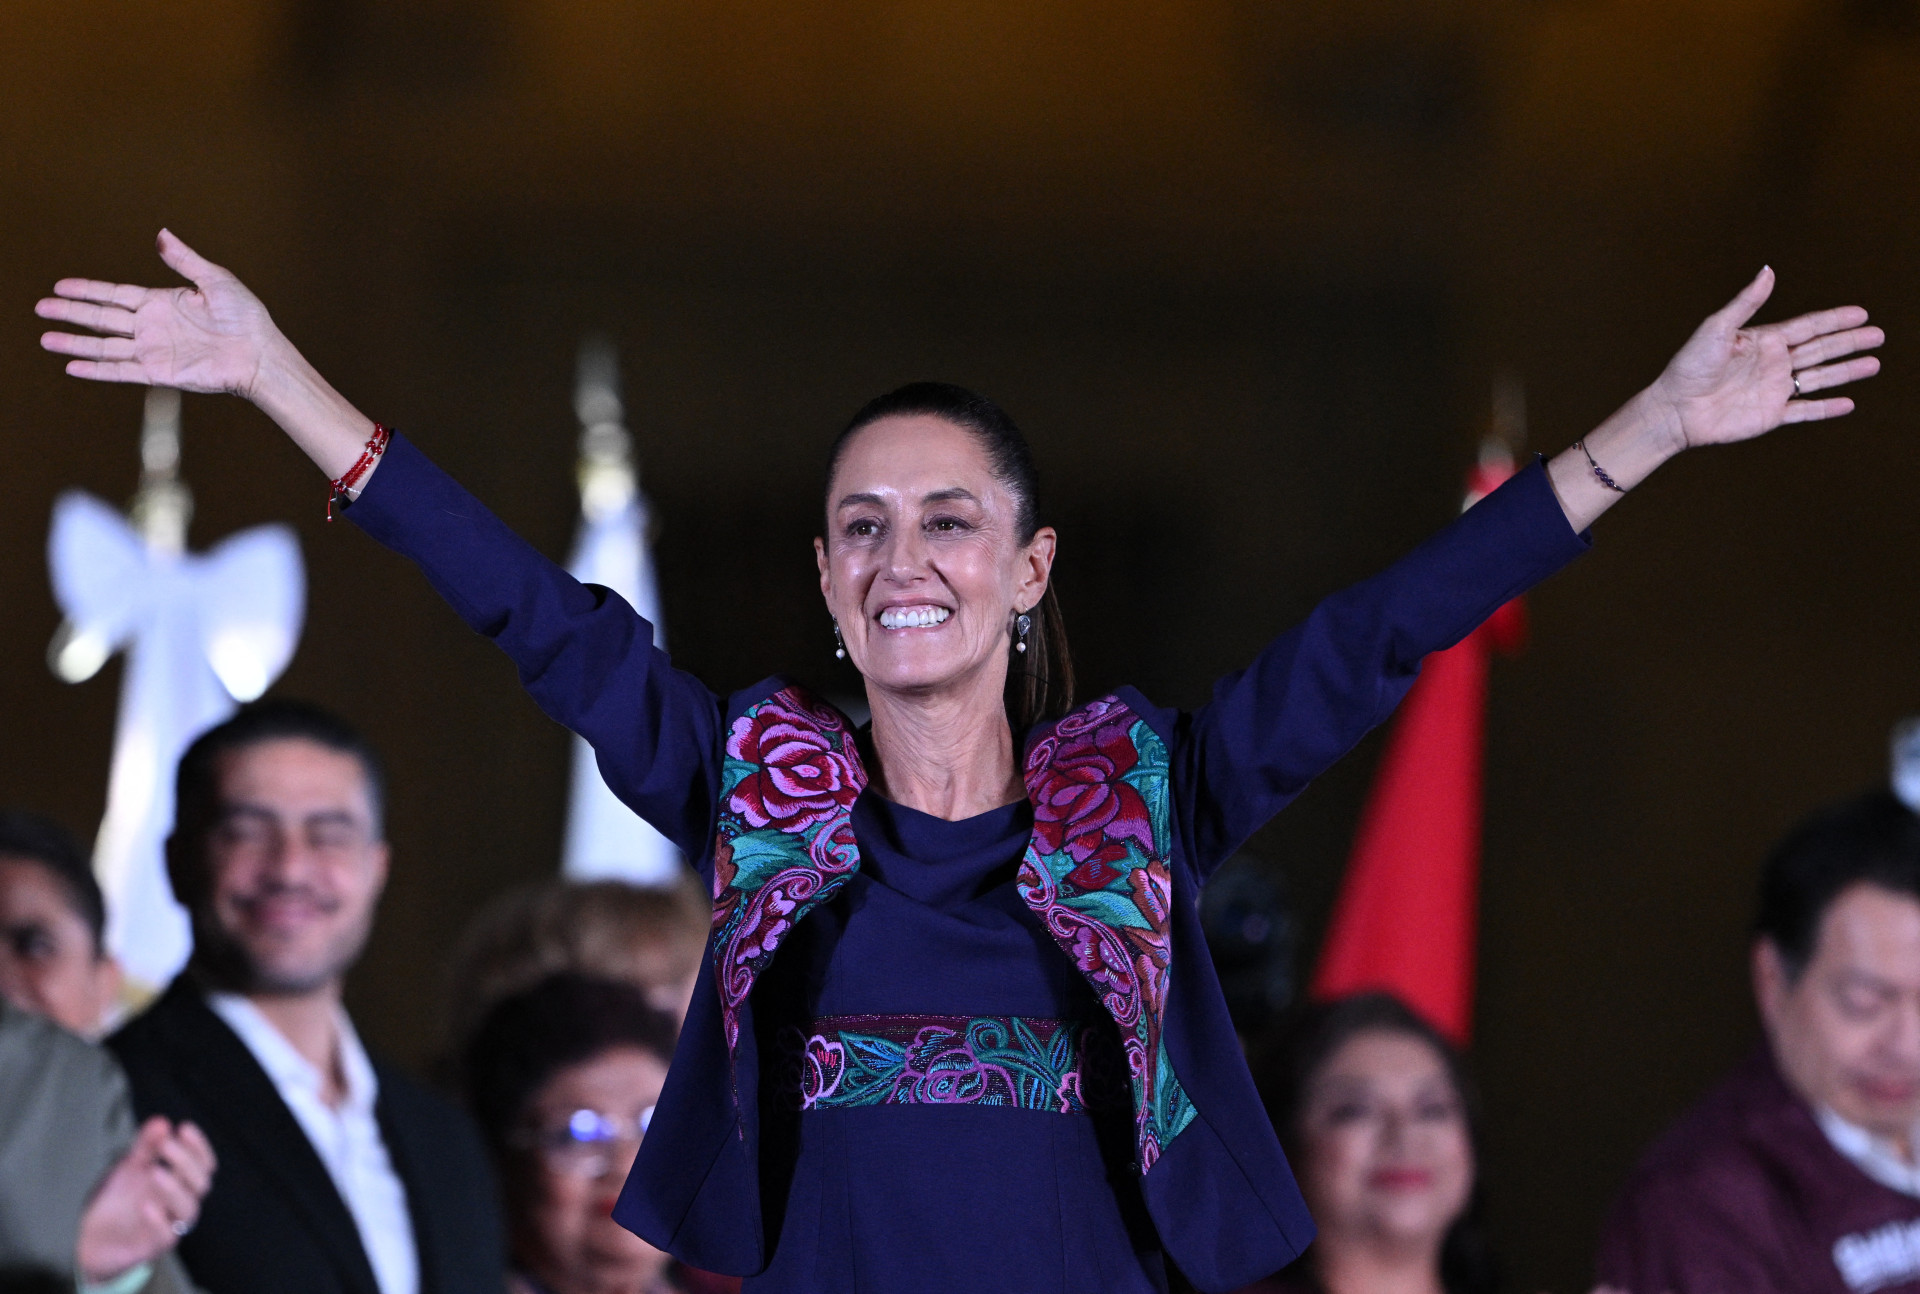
1800 1172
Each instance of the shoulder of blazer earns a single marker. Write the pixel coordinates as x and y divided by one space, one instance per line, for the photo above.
438 1155
427 1123
177 1033
38 1055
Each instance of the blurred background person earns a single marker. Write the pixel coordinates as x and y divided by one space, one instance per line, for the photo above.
83 1195
53 958
562 1077
1376 1114
338 1173
85 1198
649 936
1801 1171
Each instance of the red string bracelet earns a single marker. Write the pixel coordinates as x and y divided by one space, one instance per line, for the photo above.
376 446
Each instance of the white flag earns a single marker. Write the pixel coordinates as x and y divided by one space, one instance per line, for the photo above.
604 837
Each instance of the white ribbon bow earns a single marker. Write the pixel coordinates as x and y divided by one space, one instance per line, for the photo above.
201 632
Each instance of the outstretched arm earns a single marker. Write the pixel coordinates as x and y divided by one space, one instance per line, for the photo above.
1729 382
1316 690
585 656
214 336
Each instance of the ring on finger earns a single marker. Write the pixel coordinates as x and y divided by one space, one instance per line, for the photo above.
181 1226
1796 384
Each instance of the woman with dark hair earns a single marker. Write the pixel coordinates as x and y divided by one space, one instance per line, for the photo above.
562 1079
983 903
1378 1119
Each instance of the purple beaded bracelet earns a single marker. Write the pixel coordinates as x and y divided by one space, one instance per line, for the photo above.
1598 470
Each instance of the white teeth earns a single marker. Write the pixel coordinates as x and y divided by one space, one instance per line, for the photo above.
913 617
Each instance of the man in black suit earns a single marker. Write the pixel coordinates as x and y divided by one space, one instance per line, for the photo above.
338 1174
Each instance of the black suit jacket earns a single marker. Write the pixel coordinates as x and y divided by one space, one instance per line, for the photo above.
273 1222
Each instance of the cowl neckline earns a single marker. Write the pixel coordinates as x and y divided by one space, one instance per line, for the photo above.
936 861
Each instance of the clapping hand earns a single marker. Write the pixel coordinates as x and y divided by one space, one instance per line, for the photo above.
147 1201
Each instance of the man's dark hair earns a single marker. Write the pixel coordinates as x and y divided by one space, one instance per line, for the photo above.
196 785
44 841
1874 840
527 1038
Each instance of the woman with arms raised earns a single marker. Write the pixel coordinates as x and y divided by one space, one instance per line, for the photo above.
990 1053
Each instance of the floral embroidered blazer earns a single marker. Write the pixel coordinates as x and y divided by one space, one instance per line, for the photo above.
1134 805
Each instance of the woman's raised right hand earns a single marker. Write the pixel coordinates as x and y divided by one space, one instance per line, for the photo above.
215 337
208 337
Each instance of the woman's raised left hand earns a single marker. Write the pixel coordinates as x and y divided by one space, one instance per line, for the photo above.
1732 381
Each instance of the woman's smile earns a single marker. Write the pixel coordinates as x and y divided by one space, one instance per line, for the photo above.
1400 1179
917 616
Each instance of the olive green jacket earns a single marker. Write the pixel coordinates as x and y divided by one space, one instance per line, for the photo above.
65 1118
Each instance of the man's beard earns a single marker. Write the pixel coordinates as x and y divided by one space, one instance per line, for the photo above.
223 962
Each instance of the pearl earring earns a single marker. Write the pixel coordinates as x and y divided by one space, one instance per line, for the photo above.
839 643
1022 623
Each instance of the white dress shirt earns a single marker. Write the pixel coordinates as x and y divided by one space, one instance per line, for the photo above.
347 1138
1875 1156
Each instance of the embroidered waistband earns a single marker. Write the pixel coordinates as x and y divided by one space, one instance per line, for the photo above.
1024 1062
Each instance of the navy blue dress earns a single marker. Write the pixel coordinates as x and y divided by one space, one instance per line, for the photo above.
974 1198
903 1196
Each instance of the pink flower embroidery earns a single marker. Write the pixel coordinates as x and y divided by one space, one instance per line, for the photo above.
1153 893
801 777
1150 971
1101 960
823 1064
1080 805
767 922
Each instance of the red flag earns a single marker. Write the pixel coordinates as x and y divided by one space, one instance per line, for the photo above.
1406 918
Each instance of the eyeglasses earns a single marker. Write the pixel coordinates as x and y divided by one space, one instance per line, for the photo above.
590 1143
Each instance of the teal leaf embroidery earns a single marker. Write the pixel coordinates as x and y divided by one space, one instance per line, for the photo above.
1111 909
732 773
759 855
1152 777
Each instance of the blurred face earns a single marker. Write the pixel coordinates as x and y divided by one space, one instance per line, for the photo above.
922 566
49 963
1847 1032
1389 1163
293 866
582 1129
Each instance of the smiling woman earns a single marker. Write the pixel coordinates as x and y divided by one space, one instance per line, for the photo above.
1375 1109
934 562
991 1053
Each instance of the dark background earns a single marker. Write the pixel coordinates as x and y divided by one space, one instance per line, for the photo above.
1247 271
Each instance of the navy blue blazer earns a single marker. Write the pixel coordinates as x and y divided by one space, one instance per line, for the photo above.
1220 1192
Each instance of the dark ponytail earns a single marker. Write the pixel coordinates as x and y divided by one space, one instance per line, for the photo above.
1040 679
